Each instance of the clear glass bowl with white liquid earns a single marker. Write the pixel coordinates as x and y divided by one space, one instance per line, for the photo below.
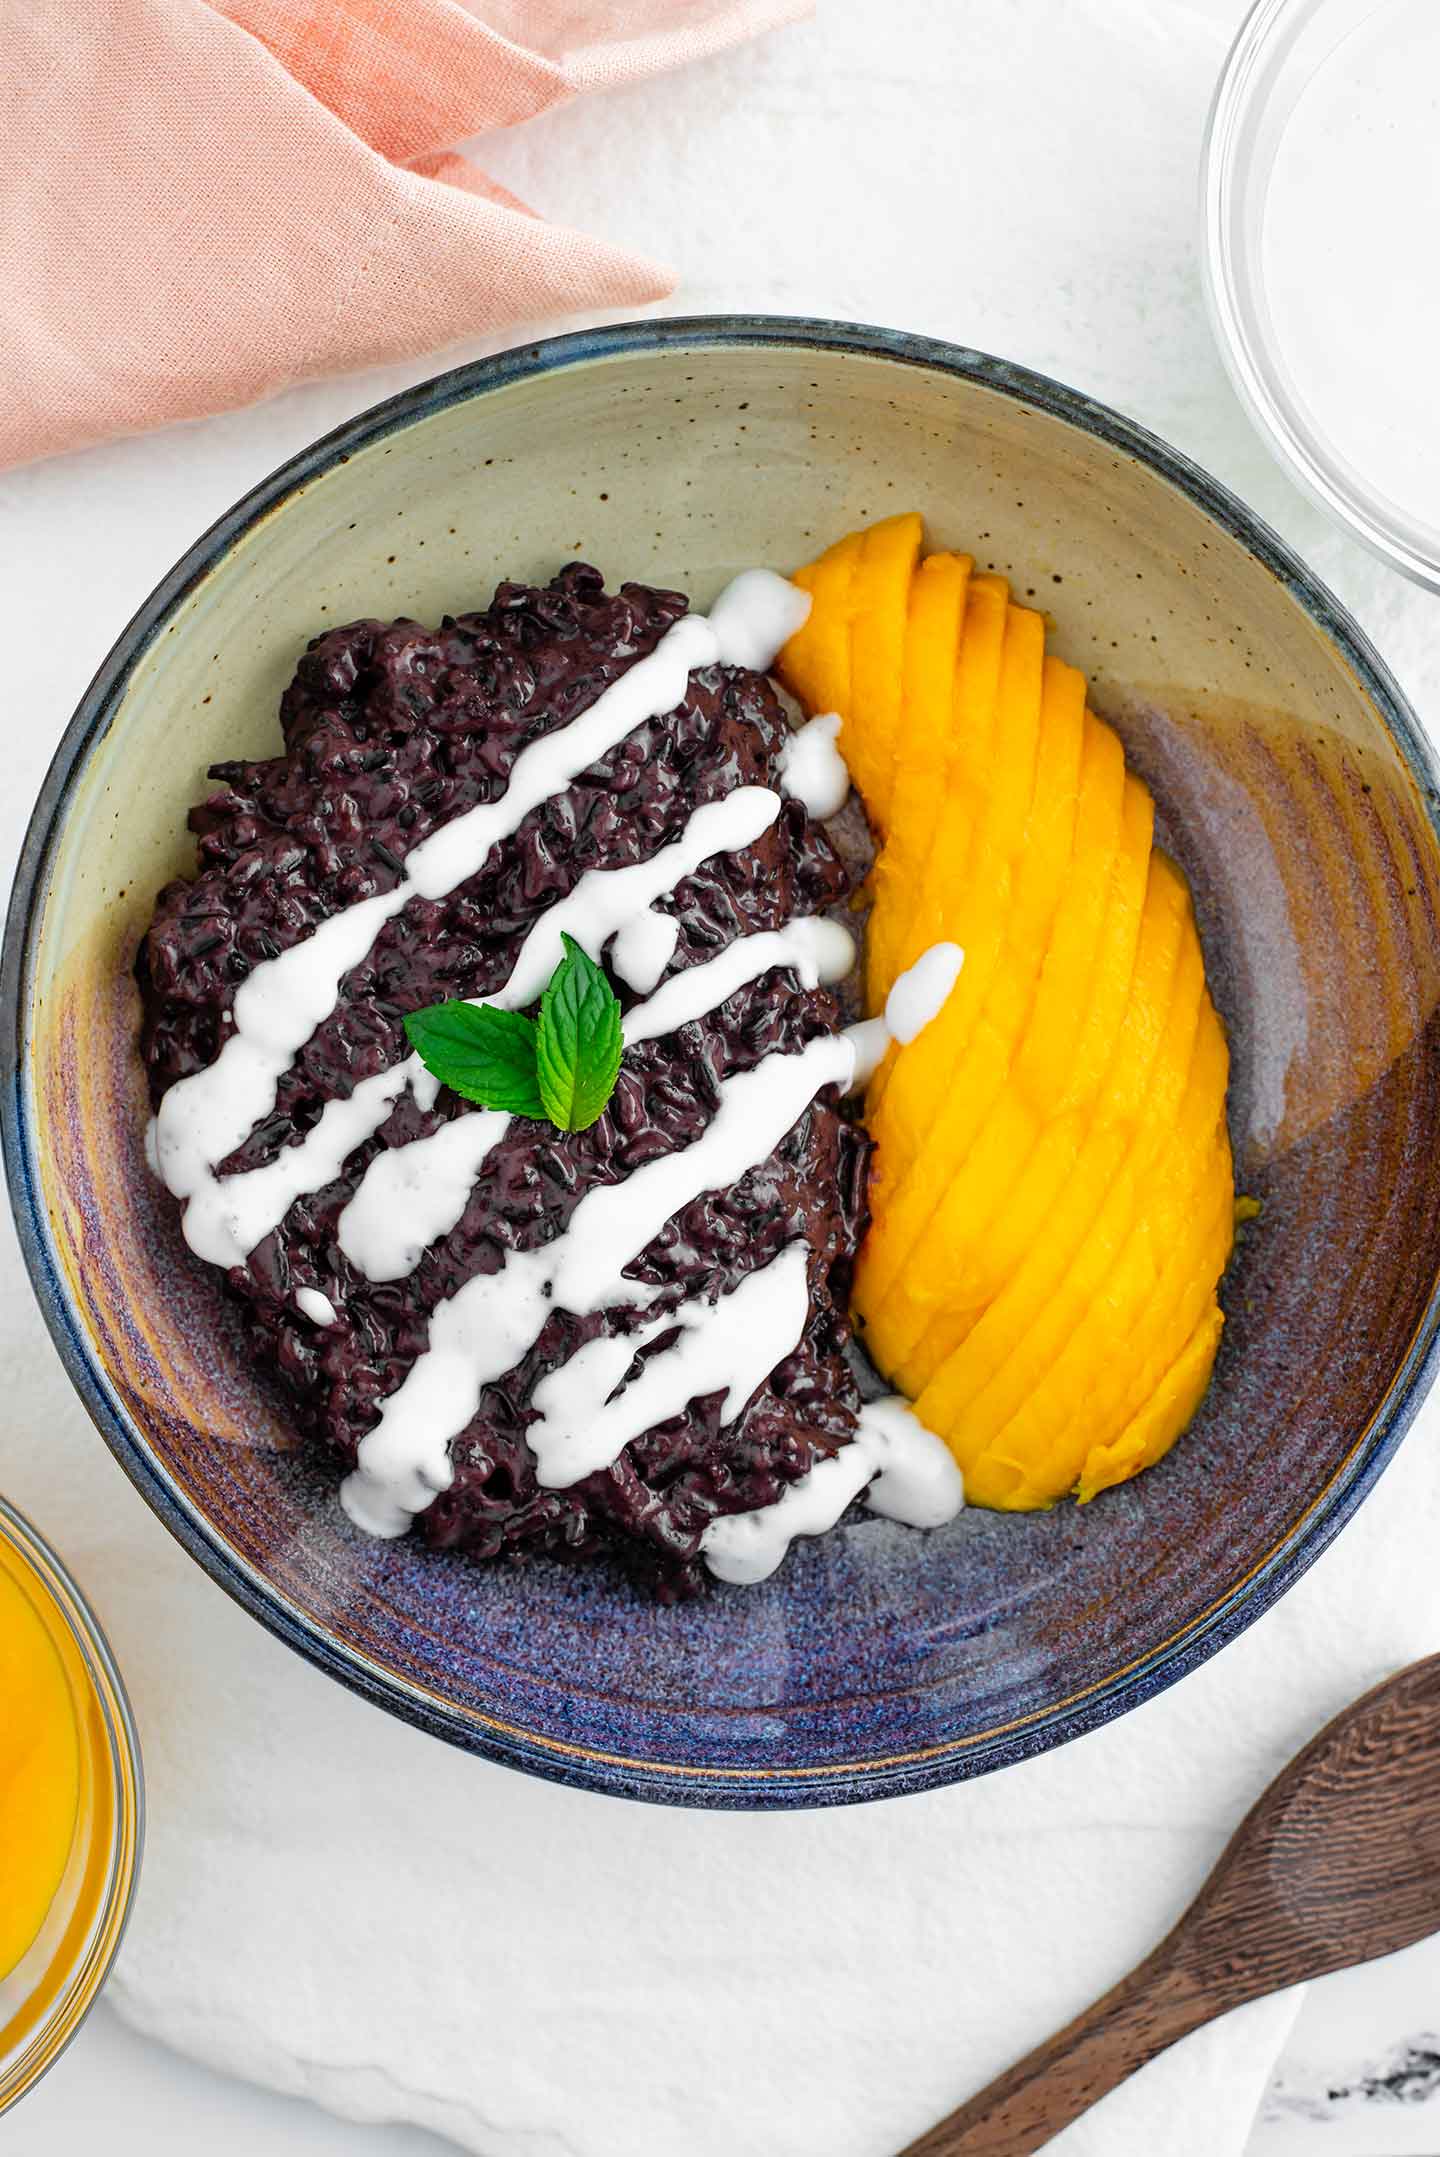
1321 204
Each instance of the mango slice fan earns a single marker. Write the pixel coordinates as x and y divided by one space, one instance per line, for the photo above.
1053 1197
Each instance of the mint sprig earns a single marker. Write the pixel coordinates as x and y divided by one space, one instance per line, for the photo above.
484 1054
561 1066
578 1043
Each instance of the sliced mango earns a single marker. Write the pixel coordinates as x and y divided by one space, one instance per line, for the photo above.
973 908
880 607
1184 1296
932 646
950 821
815 664
911 918
1052 1195
949 1102
1001 1206
1141 1275
850 653
1153 1429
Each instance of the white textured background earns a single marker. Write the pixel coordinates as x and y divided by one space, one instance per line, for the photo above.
1020 176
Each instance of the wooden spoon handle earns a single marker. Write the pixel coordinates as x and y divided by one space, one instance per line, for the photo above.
1053 2085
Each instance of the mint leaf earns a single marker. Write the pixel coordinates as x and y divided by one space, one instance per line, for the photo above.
484 1054
578 1045
562 1066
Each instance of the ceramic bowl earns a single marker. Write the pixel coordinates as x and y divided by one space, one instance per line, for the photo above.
1295 787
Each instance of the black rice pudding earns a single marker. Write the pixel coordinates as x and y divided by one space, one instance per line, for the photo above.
394 733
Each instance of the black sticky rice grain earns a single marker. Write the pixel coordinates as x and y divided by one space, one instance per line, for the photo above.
390 730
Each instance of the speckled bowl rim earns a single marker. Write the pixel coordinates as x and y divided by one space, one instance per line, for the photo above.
582 1767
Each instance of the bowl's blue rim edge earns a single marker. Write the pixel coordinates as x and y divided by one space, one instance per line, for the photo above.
668 1782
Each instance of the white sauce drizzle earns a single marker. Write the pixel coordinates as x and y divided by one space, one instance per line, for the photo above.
316 1307
643 948
490 1322
754 616
226 1216
812 768
869 1040
912 1476
283 1000
918 995
731 1344
277 1008
817 949
607 901
412 1195
922 991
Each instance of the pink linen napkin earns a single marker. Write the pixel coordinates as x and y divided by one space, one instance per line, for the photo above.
200 203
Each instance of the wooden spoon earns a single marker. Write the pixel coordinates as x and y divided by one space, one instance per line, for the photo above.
1337 1863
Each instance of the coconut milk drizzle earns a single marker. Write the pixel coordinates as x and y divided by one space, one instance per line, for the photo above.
412 1195
911 1474
203 1118
490 1322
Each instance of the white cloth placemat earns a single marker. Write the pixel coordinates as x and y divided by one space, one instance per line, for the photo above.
336 1905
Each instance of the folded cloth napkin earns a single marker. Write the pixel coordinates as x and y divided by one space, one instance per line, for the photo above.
200 203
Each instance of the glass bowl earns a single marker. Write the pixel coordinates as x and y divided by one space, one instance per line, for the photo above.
1318 178
46 1996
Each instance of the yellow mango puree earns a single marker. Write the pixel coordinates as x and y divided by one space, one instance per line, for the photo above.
39 1768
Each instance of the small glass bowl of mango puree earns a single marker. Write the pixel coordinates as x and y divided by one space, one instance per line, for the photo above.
71 1807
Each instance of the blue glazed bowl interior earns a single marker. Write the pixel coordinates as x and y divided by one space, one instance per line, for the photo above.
1293 786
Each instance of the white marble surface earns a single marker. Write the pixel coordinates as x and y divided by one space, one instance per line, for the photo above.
1359 2079
1115 308
154 2103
